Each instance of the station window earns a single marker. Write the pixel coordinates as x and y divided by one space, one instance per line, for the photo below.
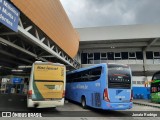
90 55
132 55
90 58
90 61
110 56
134 82
156 54
143 82
84 58
149 55
139 82
117 56
96 58
103 55
124 55
139 55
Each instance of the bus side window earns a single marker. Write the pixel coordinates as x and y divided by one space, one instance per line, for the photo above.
95 73
156 76
84 76
68 79
73 79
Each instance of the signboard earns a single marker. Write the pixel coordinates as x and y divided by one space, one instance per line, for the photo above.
5 80
16 80
9 15
48 72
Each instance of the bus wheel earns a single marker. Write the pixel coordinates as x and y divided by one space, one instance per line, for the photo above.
83 102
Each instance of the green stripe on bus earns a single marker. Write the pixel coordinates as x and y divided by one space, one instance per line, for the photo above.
36 91
156 81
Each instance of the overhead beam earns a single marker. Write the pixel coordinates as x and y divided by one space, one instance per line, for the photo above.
8 33
20 23
109 45
4 64
102 50
9 61
50 56
38 42
28 28
38 39
43 39
14 56
151 43
20 49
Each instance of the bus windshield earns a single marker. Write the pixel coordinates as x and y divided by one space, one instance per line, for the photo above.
119 76
156 76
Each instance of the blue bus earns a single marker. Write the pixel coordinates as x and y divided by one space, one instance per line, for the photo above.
103 86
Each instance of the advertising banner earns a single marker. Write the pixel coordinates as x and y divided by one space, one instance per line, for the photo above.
48 72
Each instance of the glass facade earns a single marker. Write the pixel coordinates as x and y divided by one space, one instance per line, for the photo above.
136 57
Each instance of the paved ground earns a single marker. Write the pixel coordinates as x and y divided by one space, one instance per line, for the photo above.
146 103
71 109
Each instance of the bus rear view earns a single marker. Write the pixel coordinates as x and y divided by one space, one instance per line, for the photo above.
46 85
118 95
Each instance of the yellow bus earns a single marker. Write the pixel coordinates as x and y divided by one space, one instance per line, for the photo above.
46 85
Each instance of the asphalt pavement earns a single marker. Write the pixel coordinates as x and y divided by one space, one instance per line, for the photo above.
72 110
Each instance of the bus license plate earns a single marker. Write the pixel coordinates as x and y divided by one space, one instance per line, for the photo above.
120 106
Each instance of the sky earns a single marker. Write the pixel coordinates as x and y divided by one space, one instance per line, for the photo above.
93 13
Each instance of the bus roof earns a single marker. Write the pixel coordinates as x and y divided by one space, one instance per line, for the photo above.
87 68
94 66
43 63
158 72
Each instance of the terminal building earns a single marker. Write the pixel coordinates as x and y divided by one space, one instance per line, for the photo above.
42 31
135 45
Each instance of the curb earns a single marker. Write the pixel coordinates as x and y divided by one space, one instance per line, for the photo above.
143 104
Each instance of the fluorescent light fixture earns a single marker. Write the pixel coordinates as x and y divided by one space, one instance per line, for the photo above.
3 43
24 66
14 70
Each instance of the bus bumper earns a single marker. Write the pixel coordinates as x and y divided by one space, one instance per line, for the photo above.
117 106
44 104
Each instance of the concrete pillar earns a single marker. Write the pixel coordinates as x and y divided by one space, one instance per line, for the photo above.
144 60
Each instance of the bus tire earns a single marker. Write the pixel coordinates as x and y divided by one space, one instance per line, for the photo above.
83 102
